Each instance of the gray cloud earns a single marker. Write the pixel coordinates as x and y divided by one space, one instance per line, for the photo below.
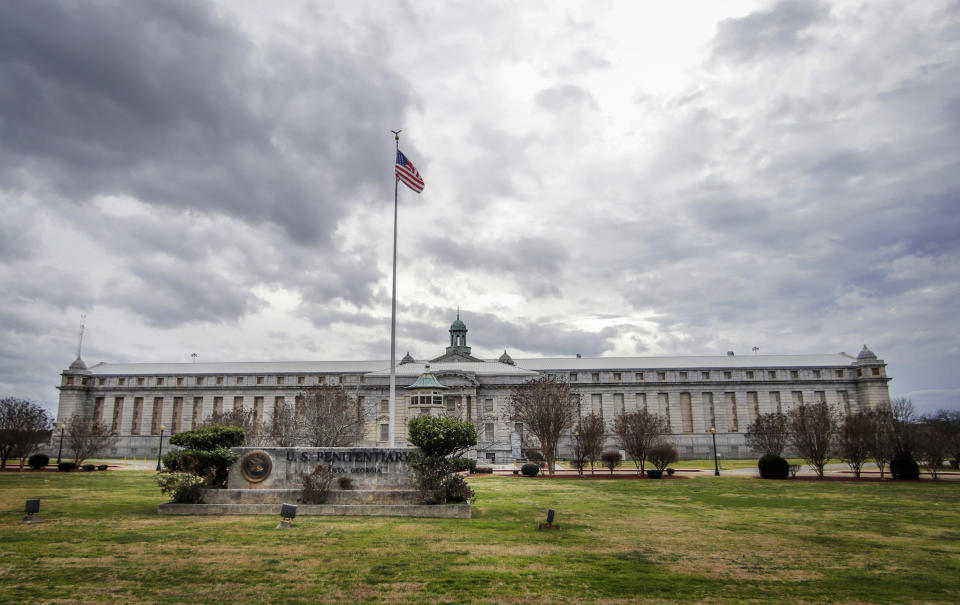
768 33
565 96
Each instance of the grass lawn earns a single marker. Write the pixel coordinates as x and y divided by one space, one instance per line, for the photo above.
701 540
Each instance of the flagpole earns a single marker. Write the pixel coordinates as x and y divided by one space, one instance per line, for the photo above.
393 311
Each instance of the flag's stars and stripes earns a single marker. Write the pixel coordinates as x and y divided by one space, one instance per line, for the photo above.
407 174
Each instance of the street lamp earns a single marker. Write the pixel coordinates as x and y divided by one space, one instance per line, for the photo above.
716 464
160 450
63 426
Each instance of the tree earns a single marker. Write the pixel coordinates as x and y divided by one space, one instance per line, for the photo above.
328 417
933 442
854 440
24 425
811 428
662 454
768 434
441 436
592 430
951 419
246 419
881 443
284 427
85 437
903 423
637 432
547 407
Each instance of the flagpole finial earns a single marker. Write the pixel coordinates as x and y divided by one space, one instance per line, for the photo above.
396 134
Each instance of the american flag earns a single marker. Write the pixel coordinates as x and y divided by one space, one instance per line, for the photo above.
407 174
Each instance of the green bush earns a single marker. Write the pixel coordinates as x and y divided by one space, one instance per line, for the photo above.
611 459
66 467
183 488
457 490
102 467
316 485
89 467
530 469
662 454
212 465
438 436
208 438
345 483
772 466
904 467
534 455
460 464
38 461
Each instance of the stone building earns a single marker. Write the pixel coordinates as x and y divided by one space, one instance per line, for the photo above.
693 393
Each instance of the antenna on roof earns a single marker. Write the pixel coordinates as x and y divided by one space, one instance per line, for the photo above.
755 349
194 355
83 321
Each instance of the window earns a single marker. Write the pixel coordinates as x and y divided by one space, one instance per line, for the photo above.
320 380
707 399
339 379
844 399
819 396
518 428
794 375
384 432
83 381
298 405
596 404
121 381
179 381
617 376
705 375
239 379
661 375
300 379
639 376
177 419
875 371
217 406
797 397
197 411
219 379
595 376
159 380
663 402
731 403
137 415
838 373
753 406
641 399
618 403
157 411
279 403
573 376
101 381
451 405
98 410
384 406
199 380
683 375
859 372
258 408
238 402
772 374
750 374
488 431
775 401
117 415
816 373
488 405
728 375
491 457
259 379
279 379
140 382
686 413
69 380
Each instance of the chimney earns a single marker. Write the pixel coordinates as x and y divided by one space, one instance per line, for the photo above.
578 355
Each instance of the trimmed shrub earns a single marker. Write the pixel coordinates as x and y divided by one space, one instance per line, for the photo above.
534 455
208 438
653 473
460 464
661 454
671 471
66 467
345 483
38 461
611 459
89 467
772 466
457 490
316 485
484 470
211 465
530 469
102 467
904 467
440 436
183 488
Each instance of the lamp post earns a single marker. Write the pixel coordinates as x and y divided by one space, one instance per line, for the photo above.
716 464
160 449
63 426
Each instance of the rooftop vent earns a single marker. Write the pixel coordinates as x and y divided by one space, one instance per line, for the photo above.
729 353
578 355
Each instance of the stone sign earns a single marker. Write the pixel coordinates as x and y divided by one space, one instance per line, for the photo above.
282 467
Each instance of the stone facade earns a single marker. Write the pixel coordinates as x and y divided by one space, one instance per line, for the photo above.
694 393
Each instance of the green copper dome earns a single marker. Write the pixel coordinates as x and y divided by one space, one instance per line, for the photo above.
458 325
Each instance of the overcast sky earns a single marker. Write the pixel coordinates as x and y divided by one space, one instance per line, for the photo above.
603 178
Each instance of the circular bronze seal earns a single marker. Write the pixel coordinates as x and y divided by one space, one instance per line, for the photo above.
256 466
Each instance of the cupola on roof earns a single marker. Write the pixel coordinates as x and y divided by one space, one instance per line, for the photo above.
866 353
78 364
